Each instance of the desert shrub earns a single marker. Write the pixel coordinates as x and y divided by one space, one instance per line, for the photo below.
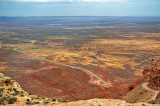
1 103
1 95
46 102
64 101
1 90
4 98
36 102
28 103
53 99
22 95
12 100
15 93
28 100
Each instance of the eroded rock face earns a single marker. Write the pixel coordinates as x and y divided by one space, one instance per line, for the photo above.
9 89
7 83
153 75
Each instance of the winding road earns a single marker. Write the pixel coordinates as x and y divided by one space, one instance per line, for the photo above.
145 85
23 52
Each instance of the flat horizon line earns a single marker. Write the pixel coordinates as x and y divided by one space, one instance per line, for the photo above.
80 16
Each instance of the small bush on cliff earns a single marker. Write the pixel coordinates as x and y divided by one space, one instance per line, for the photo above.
4 98
36 102
28 102
1 103
53 99
15 93
1 90
46 102
12 100
1 95
64 101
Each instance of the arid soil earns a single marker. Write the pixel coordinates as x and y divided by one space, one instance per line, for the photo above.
116 53
104 102
49 80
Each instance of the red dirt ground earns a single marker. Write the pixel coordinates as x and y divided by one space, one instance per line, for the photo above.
53 81
60 83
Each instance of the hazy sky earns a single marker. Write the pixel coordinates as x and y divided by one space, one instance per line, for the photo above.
79 7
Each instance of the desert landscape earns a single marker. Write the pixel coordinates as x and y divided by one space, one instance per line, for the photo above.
76 58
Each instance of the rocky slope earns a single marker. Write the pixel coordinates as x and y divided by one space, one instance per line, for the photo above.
12 93
146 88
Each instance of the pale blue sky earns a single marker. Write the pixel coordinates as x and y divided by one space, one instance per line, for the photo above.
79 7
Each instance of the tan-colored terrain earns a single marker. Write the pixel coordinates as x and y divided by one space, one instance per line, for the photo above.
104 102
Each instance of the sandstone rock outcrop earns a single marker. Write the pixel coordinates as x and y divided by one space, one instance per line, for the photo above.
153 75
136 91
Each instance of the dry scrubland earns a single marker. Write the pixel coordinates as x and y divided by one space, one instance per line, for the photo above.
97 52
106 46
115 53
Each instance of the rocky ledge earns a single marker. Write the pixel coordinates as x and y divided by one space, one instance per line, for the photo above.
12 93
